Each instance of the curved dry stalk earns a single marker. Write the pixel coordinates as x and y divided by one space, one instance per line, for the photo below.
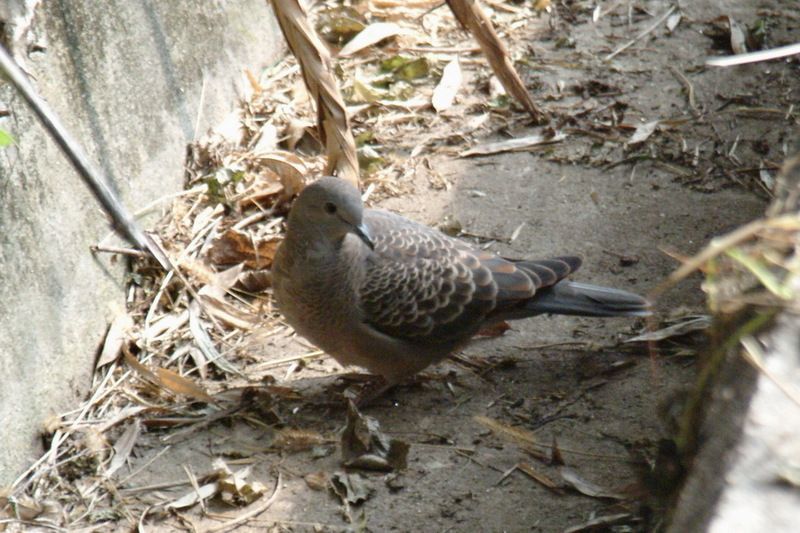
316 65
472 17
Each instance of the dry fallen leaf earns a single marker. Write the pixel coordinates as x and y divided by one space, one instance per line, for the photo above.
195 496
227 312
738 39
203 341
372 34
350 488
365 446
164 326
234 487
255 281
445 92
643 132
290 169
673 21
117 335
588 488
263 190
318 480
234 247
123 447
23 507
168 380
513 145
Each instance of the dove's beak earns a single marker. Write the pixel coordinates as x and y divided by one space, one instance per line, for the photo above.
363 234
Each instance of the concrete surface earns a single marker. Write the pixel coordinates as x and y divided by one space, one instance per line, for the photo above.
135 82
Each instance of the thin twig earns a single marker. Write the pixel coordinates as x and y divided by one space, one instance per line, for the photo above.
633 41
118 250
689 89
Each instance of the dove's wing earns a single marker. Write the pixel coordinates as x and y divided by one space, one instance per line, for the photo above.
421 284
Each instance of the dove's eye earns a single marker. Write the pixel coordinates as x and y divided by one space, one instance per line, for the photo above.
330 208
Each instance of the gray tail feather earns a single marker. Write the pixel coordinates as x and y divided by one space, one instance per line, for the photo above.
569 298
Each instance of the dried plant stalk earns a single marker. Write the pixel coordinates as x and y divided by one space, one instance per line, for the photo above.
315 62
472 17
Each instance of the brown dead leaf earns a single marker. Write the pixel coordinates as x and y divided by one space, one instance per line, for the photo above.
182 385
234 247
263 191
167 379
365 446
255 281
318 480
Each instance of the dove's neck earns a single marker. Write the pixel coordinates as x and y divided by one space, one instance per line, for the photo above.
314 247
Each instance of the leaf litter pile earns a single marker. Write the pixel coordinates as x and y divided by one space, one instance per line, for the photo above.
186 365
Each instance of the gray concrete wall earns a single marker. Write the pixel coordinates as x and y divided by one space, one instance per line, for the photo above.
126 76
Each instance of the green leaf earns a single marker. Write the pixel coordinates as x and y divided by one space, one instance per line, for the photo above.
5 138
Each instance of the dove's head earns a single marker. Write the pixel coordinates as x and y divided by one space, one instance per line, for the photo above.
332 208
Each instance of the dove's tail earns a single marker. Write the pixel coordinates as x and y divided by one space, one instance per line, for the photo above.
569 298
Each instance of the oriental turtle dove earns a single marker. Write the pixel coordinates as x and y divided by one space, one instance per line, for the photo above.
380 291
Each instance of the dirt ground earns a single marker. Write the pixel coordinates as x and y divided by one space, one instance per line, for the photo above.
572 383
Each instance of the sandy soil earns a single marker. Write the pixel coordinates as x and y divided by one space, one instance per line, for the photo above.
564 380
